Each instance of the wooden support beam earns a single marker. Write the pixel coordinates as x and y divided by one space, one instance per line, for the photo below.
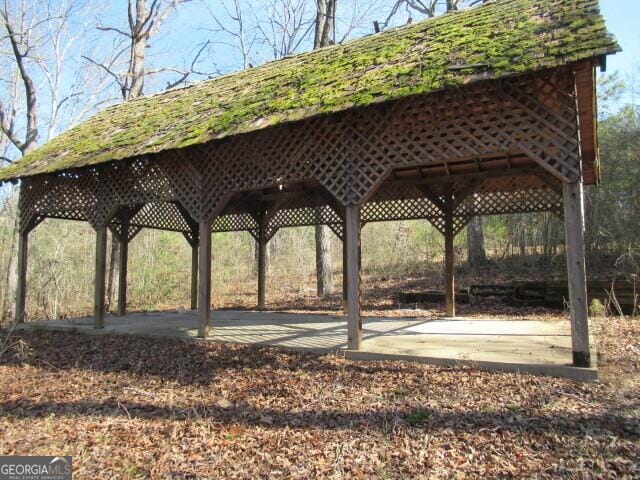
262 270
469 189
21 290
576 272
483 175
263 217
432 197
204 286
551 182
122 268
194 276
449 281
345 274
352 240
100 277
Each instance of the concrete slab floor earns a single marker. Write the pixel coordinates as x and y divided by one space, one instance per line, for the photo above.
515 345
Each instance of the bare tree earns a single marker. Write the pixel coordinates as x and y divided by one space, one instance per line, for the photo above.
127 67
475 242
285 27
426 8
20 37
242 35
325 25
324 36
19 33
34 46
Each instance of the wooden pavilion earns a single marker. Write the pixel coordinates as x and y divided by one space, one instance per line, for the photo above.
486 111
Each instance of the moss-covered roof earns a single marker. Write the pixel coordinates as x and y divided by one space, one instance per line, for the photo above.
499 38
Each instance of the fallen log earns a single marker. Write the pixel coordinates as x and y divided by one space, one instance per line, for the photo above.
431 296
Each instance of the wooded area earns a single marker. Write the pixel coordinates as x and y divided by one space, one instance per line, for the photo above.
61 266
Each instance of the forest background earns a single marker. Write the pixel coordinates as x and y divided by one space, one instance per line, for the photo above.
63 60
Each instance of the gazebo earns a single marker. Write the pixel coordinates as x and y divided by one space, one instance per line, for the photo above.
485 111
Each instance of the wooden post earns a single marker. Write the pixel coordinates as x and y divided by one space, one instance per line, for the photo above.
576 272
21 290
262 270
352 240
122 269
101 270
204 285
449 281
194 276
345 274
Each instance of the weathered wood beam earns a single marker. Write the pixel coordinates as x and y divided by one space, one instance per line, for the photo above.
263 218
193 225
551 182
272 197
123 260
122 278
587 111
449 281
352 237
576 272
204 286
262 272
433 198
440 179
194 276
345 273
21 290
469 189
100 277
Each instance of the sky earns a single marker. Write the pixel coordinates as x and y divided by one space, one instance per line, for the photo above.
623 20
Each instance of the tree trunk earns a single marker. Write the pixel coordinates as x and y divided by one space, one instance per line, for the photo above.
323 261
325 23
475 242
324 35
11 279
133 88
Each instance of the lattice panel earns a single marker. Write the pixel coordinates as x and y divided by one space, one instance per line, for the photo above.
497 203
308 216
116 228
419 208
58 197
235 223
549 135
349 154
163 216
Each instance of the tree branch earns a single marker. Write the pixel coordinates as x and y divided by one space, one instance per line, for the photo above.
31 134
114 29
